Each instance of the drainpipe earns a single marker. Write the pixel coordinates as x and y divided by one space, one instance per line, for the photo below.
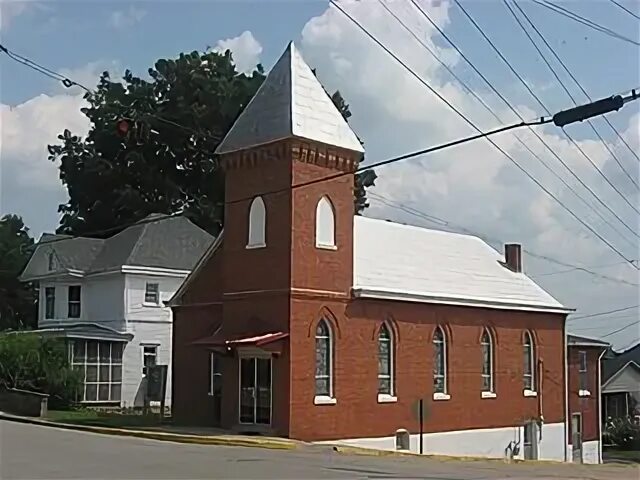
566 394
599 398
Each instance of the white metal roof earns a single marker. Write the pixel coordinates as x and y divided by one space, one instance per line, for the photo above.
291 102
395 261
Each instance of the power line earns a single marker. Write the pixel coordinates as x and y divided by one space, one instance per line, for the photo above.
446 223
506 102
621 329
625 9
492 112
544 107
575 80
559 272
605 313
585 21
564 87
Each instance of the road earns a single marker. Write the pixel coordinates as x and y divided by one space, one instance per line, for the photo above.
34 452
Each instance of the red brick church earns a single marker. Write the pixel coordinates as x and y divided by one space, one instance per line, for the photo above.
307 321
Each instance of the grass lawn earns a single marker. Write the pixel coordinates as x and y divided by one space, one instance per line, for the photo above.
102 419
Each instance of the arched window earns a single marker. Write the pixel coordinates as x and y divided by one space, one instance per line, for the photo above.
385 361
325 224
529 355
257 222
486 343
439 361
324 360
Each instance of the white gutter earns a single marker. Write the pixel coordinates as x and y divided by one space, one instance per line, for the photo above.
599 397
566 395
380 294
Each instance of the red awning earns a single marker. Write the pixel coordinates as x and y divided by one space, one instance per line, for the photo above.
247 340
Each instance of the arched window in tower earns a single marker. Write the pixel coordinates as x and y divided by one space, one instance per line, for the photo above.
439 362
486 343
529 358
257 224
325 224
324 360
386 351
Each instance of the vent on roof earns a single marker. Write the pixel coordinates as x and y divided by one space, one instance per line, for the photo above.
513 257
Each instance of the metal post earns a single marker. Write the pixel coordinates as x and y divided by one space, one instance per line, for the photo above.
421 415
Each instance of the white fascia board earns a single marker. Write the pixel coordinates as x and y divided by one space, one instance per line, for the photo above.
364 292
156 271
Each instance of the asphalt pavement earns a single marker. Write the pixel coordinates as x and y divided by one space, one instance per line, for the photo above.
36 452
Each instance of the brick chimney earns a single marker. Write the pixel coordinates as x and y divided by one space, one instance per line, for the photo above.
513 256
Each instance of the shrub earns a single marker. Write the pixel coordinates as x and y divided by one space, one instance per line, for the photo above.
29 361
623 432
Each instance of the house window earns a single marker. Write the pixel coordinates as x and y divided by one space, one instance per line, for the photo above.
486 343
582 370
257 223
215 374
528 351
324 360
385 361
439 361
52 264
149 357
49 302
152 293
325 224
101 364
74 301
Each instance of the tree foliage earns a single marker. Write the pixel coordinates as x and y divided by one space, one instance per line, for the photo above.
29 361
17 300
160 159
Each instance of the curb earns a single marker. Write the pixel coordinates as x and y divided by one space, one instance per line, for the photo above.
228 441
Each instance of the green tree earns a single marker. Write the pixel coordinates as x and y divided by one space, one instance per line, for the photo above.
17 299
160 159
29 361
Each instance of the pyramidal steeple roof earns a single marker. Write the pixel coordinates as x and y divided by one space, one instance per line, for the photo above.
290 103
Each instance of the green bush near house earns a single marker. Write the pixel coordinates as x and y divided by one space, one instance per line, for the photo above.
29 361
623 432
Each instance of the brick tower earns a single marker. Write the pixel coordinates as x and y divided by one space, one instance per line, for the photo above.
289 160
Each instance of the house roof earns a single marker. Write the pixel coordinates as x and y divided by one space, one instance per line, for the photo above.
614 362
156 241
403 262
291 102
581 341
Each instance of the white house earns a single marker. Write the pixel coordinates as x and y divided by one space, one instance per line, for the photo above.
107 297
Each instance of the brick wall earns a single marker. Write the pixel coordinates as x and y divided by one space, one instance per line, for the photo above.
587 406
357 412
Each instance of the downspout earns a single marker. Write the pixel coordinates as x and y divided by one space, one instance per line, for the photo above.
566 393
599 399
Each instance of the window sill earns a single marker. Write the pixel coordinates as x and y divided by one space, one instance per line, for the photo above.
324 400
489 395
151 304
584 393
326 247
441 396
385 398
530 393
257 245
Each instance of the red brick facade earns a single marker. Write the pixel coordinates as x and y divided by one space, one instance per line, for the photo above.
588 405
290 284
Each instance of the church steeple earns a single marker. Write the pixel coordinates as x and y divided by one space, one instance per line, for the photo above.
290 103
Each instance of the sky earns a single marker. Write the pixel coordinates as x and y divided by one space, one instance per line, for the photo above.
471 188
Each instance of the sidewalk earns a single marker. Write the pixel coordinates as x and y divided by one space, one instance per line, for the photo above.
168 433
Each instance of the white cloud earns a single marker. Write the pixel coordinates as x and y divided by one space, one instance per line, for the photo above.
245 49
126 18
471 185
9 9
87 75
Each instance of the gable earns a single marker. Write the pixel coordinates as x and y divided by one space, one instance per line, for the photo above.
627 379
